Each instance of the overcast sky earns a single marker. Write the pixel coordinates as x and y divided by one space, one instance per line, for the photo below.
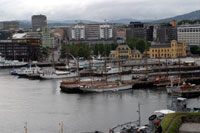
98 10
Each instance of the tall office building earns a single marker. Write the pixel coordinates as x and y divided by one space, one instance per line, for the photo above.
139 30
38 22
92 32
189 33
165 33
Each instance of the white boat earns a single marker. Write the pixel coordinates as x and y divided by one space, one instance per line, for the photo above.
58 75
109 71
27 71
105 87
10 63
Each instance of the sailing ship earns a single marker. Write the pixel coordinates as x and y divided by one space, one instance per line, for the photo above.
105 87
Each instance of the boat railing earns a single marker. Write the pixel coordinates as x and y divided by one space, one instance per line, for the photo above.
120 127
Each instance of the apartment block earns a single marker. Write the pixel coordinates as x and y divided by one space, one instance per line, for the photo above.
189 33
92 33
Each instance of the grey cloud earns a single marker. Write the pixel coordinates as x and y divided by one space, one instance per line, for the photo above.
100 10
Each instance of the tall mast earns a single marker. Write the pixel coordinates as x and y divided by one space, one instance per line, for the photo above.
105 70
179 63
146 61
159 62
77 62
53 60
120 70
167 68
139 120
61 127
91 70
25 127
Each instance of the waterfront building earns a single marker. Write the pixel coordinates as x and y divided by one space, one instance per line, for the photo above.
124 52
38 22
189 33
22 46
9 25
168 50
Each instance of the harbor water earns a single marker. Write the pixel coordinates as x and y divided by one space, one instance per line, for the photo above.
41 104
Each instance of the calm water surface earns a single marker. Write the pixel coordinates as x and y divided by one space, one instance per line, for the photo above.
41 104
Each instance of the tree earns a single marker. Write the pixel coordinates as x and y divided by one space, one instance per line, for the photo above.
139 44
63 50
195 50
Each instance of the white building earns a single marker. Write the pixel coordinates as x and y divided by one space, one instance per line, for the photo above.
106 31
47 39
78 32
189 33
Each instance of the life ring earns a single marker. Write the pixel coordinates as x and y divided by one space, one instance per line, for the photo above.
153 117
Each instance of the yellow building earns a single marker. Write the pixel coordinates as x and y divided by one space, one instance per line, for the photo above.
124 52
173 50
173 23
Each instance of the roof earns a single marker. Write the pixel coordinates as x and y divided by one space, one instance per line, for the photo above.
123 47
164 111
181 99
135 51
161 46
112 52
19 35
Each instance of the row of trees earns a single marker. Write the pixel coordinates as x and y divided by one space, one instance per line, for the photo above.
189 21
195 50
83 50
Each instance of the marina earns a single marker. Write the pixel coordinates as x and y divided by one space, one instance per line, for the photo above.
149 88
120 107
